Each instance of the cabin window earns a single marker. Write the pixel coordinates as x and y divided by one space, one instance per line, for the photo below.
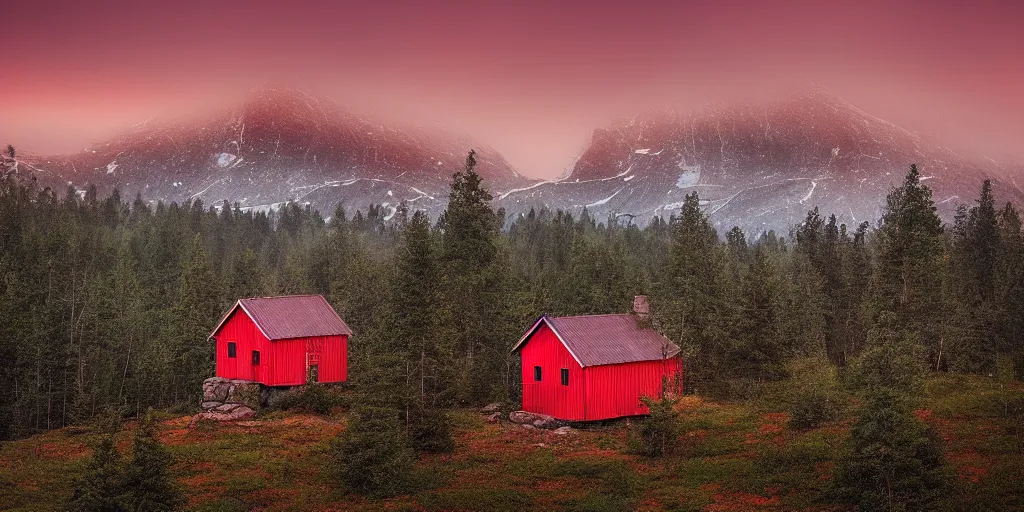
232 349
565 376
536 373
255 357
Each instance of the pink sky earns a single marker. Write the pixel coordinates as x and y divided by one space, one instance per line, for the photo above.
532 79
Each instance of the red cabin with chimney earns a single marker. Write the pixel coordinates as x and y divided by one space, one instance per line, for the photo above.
596 367
282 341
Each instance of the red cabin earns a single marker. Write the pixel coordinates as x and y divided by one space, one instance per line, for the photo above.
282 341
589 368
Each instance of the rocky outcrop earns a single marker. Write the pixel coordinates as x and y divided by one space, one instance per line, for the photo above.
228 400
535 420
239 412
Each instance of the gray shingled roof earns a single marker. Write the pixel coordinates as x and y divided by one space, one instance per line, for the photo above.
606 339
294 316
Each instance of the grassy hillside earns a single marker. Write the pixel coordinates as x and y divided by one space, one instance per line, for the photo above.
736 456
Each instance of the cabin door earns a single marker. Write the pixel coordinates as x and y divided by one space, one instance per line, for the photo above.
314 349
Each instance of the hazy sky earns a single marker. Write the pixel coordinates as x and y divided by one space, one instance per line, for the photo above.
532 79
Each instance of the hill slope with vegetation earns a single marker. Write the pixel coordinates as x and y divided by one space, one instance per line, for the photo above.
106 306
730 456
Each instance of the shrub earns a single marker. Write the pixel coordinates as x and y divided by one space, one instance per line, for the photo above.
812 409
311 398
430 431
372 454
814 394
658 434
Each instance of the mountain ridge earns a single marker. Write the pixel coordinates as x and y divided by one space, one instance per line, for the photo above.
759 166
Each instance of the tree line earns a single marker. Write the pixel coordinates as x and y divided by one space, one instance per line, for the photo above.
106 304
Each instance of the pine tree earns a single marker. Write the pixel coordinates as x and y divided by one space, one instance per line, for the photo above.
895 462
1009 288
101 485
473 281
194 311
691 298
148 484
372 454
760 351
907 279
415 302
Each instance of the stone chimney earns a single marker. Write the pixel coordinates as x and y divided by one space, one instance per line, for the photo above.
641 308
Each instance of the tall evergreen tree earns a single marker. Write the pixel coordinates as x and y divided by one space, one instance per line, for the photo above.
148 483
195 310
907 279
691 297
761 350
1009 288
101 485
473 281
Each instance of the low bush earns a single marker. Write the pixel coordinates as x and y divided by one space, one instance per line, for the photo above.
372 454
430 431
312 398
814 394
658 434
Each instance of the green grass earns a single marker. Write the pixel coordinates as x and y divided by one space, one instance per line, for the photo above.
734 456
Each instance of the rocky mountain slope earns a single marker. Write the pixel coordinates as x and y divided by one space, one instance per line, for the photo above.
279 145
761 166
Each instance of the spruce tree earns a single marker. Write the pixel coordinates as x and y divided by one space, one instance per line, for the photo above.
148 484
1009 288
372 454
907 279
895 462
416 338
101 485
194 312
691 299
761 351
473 279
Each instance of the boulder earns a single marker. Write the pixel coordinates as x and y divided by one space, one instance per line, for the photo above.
564 431
240 412
527 426
537 420
489 408
231 391
227 407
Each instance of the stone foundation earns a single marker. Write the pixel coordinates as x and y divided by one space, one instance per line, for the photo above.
535 420
228 400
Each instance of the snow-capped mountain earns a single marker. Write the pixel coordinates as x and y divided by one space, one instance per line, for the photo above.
281 145
761 166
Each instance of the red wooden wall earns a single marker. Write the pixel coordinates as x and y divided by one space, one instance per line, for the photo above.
614 390
241 330
595 392
549 396
282 362
290 359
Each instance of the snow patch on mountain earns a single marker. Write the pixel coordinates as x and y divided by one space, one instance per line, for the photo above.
225 159
605 200
689 177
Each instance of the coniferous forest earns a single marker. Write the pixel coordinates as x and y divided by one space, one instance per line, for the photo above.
107 304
